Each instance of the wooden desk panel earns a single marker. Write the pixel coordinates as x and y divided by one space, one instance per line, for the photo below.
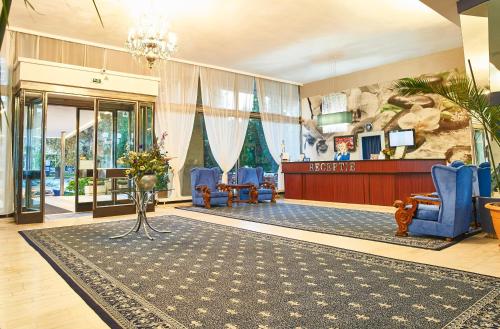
377 182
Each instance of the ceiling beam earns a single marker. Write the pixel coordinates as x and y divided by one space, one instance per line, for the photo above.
446 8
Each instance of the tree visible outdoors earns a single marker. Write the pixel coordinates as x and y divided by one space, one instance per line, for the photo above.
254 152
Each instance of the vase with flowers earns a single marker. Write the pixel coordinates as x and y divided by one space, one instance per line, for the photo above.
388 152
143 168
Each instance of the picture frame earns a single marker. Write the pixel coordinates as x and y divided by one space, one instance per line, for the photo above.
350 140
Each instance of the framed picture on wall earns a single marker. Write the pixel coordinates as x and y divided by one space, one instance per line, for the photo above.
344 143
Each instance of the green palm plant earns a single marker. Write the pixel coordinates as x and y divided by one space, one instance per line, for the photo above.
464 92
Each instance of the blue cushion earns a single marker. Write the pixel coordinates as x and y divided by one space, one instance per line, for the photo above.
427 212
206 176
457 164
265 191
218 194
248 176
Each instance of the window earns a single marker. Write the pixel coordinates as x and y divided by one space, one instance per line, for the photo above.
334 116
480 146
254 152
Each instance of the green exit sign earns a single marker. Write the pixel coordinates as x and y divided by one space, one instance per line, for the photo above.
96 80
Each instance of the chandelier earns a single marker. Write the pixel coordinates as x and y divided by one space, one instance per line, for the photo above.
151 39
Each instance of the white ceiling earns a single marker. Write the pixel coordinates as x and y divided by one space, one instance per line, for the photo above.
297 40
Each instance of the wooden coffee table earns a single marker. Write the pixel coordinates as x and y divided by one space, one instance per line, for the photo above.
238 187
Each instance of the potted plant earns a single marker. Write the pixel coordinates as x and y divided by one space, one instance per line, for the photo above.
388 152
162 185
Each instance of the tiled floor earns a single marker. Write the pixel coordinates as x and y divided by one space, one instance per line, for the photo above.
33 295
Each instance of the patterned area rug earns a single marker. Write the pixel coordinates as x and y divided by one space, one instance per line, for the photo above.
207 275
367 225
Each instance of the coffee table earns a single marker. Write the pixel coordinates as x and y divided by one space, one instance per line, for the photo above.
238 187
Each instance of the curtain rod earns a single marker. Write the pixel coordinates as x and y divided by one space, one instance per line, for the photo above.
173 59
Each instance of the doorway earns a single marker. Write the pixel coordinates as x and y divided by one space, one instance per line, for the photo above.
67 153
372 144
68 143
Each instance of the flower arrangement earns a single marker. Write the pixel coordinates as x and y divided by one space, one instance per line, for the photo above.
150 162
388 152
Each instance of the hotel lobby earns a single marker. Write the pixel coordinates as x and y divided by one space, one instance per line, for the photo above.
250 164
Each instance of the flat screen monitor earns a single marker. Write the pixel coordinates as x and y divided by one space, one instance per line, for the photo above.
402 138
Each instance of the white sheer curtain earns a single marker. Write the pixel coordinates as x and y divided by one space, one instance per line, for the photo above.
279 108
175 112
227 103
6 178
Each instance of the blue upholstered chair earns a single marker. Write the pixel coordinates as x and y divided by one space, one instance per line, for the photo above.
255 176
447 216
484 179
206 190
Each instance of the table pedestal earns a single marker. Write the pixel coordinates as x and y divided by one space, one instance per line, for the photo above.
141 200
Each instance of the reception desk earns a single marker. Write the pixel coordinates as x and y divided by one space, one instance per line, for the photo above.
377 182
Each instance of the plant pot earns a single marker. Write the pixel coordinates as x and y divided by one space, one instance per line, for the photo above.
495 216
162 194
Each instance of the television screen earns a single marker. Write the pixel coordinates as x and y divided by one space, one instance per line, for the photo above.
402 138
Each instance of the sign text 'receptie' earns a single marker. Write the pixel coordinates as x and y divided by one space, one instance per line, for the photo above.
332 167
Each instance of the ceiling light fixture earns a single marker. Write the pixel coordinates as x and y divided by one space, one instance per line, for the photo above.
151 39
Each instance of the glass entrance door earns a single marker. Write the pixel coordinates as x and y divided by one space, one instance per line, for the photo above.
115 134
29 134
84 173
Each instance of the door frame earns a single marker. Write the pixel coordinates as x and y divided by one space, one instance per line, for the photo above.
28 217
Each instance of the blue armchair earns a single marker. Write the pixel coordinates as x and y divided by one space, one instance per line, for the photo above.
266 191
484 178
205 189
447 216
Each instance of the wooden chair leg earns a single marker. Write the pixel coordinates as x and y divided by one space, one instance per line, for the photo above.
273 198
206 199
230 199
254 195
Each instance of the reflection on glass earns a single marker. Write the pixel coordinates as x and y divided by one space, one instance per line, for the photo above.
124 135
115 136
85 155
146 126
32 151
105 140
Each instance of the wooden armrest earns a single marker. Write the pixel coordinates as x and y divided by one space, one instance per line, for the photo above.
422 194
404 215
202 189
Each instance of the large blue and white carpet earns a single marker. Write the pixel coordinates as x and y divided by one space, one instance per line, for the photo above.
367 225
205 275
